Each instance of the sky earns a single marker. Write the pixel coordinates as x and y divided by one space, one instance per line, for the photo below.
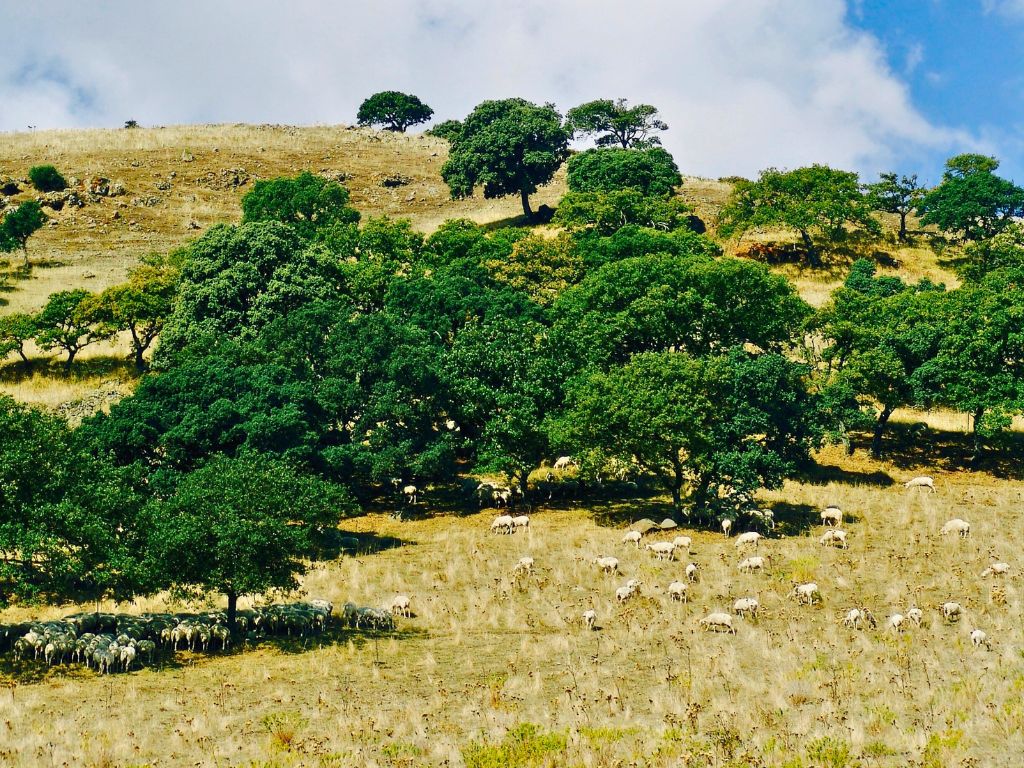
865 85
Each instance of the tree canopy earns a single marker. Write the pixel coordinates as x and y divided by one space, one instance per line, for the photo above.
19 225
971 201
307 203
896 194
650 171
393 110
614 123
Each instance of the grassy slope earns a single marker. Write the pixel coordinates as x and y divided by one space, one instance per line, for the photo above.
483 655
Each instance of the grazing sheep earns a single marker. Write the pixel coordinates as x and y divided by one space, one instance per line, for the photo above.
855 616
682 542
996 569
524 567
727 526
521 521
607 564
717 622
677 591
400 605
751 564
750 537
746 606
691 572
624 593
126 657
663 550
920 482
958 526
896 622
832 515
502 497
980 638
834 538
502 524
410 492
563 462
951 611
632 537
915 615
765 517
806 593
590 619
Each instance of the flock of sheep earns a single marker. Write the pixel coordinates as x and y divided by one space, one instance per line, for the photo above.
748 606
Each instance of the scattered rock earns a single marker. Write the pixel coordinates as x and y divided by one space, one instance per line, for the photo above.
147 202
668 524
186 157
395 180
56 201
98 186
163 185
88 275
332 175
115 215
105 395
228 178
117 188
192 224
644 526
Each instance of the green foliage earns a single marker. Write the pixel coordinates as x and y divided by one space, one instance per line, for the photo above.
68 322
394 110
446 129
46 178
307 203
614 123
526 746
1002 251
508 147
607 212
19 225
15 330
896 194
650 171
630 241
540 267
817 199
972 202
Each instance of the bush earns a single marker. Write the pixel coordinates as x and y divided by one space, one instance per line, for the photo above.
446 129
46 178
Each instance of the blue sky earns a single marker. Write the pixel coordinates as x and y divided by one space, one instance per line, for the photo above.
867 85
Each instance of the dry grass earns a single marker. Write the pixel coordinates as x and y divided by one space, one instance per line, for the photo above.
484 655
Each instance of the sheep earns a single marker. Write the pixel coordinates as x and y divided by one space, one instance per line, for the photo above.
607 564
564 462
920 482
502 524
996 569
765 517
663 550
682 542
677 591
951 611
832 515
806 593
148 648
322 605
410 492
834 538
590 619
632 537
523 568
127 656
750 537
502 497
691 572
958 526
746 606
980 638
896 622
855 616
716 622
400 606
624 593
727 526
520 521
915 615
751 564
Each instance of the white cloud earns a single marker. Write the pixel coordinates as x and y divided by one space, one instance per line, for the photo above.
1005 7
743 83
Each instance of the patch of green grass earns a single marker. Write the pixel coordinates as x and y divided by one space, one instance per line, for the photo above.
524 746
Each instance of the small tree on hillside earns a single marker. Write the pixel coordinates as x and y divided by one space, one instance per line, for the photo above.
972 201
815 199
896 194
650 171
46 178
394 110
15 330
616 124
19 225
307 203
67 322
509 147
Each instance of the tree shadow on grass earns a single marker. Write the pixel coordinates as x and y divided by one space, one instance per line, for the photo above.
794 519
822 474
334 542
911 448
99 366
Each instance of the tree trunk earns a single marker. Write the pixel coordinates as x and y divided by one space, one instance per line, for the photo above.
525 197
979 448
903 227
24 252
876 440
813 259
232 611
140 363
677 487
69 361
24 357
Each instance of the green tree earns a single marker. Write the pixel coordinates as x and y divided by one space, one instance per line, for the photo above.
815 199
307 203
653 172
15 330
540 267
214 534
606 212
46 178
446 129
508 147
1003 251
68 322
394 110
896 194
19 225
615 123
971 201
598 249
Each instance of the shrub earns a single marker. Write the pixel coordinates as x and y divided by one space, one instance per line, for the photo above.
446 129
46 178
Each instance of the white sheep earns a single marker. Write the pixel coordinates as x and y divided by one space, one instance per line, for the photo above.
691 572
677 591
764 516
521 521
524 567
624 593
502 524
727 526
410 492
960 527
996 569
915 615
920 482
590 619
563 462
682 542
717 621
750 537
746 606
607 564
834 538
502 497
751 564
663 550
806 593
632 537
951 611
896 622
980 638
832 515
855 616
126 657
